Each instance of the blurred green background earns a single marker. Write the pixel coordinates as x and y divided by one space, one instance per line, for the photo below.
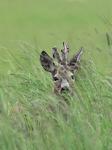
46 23
32 117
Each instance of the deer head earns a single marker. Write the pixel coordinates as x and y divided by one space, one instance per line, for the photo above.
61 68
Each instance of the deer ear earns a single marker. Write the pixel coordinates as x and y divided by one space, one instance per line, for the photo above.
47 62
76 59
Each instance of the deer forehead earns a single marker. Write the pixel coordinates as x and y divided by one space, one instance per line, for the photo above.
63 72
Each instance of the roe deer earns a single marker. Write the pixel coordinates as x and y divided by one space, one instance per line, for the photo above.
61 68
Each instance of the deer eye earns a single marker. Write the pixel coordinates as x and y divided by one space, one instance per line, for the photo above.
55 78
72 76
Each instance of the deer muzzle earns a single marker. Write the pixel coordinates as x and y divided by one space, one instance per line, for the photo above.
65 85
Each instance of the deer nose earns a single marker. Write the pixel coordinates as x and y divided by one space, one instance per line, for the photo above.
64 89
64 85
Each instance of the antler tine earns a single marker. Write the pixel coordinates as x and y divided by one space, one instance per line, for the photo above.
64 53
66 47
55 54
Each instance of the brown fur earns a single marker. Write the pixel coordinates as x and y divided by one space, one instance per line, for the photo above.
61 68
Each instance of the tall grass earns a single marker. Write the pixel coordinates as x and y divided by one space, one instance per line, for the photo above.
32 117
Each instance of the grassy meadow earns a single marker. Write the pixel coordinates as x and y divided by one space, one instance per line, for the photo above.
31 117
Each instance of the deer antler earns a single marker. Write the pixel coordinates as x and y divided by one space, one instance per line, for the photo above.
64 53
55 54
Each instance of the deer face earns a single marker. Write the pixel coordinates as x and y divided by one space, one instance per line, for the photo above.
62 70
